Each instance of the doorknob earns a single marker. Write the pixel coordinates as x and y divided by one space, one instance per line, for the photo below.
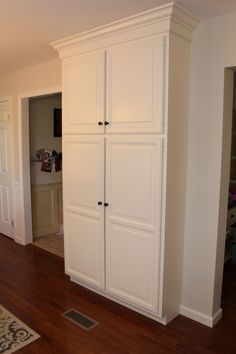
106 123
99 203
100 123
106 204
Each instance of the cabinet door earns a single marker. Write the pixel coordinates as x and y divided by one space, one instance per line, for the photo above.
133 219
83 99
83 186
135 86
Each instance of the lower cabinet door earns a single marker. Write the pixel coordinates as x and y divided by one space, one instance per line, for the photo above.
133 219
83 188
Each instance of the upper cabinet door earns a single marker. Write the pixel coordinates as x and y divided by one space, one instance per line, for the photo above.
84 94
135 86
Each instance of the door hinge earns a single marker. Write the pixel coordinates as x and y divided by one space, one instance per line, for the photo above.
12 223
9 117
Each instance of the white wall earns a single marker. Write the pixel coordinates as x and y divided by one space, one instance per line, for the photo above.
213 49
34 78
41 136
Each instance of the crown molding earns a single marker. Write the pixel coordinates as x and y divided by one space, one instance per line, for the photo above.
164 14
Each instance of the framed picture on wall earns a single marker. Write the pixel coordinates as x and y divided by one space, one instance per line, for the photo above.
57 122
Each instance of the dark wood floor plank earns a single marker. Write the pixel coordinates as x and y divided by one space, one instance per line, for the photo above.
36 290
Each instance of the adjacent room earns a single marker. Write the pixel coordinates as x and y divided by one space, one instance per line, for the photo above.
46 172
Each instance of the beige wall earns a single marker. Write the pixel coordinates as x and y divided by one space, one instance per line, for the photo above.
213 49
33 78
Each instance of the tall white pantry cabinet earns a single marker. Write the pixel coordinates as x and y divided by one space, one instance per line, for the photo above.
125 112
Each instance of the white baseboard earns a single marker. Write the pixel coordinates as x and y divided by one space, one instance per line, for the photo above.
18 240
209 321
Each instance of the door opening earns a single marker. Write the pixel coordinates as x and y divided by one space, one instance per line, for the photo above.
24 228
45 145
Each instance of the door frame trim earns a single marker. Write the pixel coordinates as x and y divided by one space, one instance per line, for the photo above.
11 158
25 232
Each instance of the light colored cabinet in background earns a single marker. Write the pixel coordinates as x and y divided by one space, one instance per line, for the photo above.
125 99
46 208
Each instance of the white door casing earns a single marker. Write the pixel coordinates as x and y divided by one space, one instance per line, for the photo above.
83 188
5 170
23 228
133 218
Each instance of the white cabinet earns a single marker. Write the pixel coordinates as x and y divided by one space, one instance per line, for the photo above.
135 86
83 217
125 112
133 218
83 93
134 97
132 173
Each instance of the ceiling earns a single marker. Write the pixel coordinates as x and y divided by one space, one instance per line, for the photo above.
28 26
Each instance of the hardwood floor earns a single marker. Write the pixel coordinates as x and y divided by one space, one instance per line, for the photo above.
36 290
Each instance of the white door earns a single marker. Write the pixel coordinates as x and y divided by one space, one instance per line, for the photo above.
84 91
135 86
133 219
5 171
83 187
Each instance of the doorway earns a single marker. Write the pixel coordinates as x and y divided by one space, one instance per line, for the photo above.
45 145
24 228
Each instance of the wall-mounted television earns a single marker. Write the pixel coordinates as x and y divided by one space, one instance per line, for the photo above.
57 122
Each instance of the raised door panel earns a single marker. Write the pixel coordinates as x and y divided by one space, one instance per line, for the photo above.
5 171
83 187
133 219
135 86
84 91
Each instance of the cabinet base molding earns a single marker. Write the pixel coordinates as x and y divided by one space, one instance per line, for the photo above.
163 320
200 317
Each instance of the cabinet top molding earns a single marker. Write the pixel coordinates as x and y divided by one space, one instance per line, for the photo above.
166 18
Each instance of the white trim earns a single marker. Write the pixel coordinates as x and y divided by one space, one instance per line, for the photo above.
11 157
209 321
157 14
25 236
41 92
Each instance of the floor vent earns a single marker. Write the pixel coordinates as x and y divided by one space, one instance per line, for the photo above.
80 319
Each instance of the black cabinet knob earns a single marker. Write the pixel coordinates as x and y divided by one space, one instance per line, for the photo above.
106 123
100 123
106 204
99 203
